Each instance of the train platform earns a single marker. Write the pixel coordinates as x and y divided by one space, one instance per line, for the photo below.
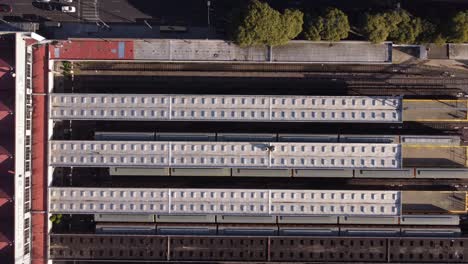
180 50
427 202
434 156
92 50
458 51
39 169
427 110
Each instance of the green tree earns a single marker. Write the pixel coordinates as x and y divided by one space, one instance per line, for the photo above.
335 25
292 21
407 30
376 28
314 28
56 218
439 40
428 33
460 27
261 25
398 26
332 26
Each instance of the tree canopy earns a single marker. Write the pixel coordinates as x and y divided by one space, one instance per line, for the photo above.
260 25
377 28
460 27
408 28
398 26
332 26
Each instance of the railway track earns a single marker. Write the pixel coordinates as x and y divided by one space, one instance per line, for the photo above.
406 91
84 179
259 248
260 67
345 79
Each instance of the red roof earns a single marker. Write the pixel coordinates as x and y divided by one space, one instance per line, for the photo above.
4 154
4 110
93 49
4 241
39 142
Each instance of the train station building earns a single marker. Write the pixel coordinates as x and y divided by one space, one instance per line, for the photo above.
161 150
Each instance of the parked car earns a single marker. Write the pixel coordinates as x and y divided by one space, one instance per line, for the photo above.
66 1
43 1
4 8
68 9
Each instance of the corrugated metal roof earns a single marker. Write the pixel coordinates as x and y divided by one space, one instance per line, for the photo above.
225 108
223 201
179 154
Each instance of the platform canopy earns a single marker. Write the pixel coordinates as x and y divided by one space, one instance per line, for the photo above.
151 107
191 154
223 201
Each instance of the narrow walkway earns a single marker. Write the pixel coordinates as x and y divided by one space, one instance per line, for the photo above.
39 140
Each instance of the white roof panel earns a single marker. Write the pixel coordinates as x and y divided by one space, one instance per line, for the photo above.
223 201
179 154
225 108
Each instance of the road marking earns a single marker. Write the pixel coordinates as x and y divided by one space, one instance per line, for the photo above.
466 112
466 158
435 100
432 146
439 120
89 10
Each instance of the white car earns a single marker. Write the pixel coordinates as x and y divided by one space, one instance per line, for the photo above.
68 9
66 1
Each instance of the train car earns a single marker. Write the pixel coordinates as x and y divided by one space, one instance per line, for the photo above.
133 218
186 229
393 173
122 228
185 218
125 136
430 220
323 173
445 173
374 220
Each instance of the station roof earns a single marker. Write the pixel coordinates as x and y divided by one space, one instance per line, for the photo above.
151 107
223 201
4 154
4 111
191 154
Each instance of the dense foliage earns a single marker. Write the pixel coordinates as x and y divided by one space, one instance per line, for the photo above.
398 26
262 25
460 27
332 26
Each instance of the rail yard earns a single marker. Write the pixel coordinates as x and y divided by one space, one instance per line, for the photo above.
205 131
176 151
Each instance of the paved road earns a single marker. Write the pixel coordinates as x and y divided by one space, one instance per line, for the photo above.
28 10
193 13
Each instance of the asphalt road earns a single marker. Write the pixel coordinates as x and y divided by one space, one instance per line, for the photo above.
31 11
175 12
